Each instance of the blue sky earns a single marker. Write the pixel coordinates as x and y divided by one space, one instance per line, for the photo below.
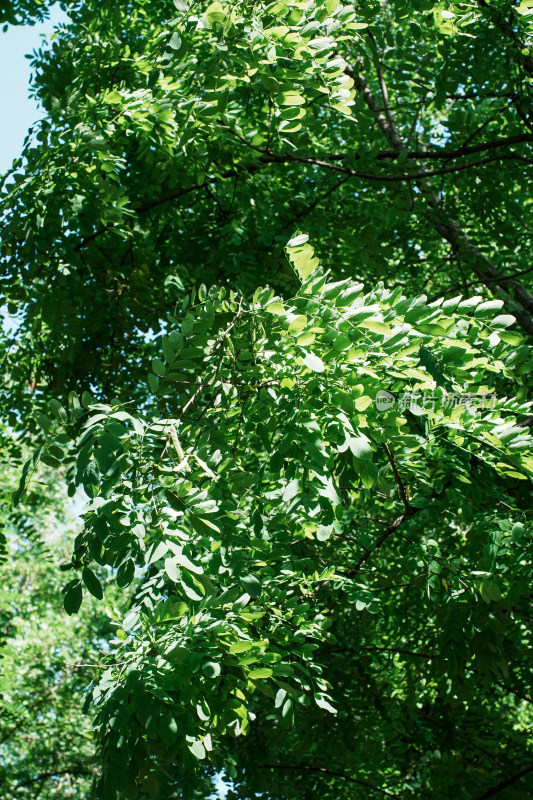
19 111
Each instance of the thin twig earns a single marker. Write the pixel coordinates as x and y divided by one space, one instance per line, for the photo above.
399 483
329 772
505 783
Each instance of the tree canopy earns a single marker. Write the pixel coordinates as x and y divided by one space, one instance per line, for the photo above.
267 266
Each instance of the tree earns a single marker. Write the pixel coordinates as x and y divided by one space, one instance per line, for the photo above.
21 12
310 551
47 658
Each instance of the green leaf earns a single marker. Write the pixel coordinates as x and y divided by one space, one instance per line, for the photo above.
192 588
171 569
432 329
510 338
263 672
362 403
240 647
324 532
291 99
72 599
325 704
158 552
211 669
297 241
92 583
58 410
489 305
299 251
125 573
196 747
175 41
50 461
251 585
503 321
30 464
158 367
188 564
153 383
375 326
360 447
86 399
490 591
113 97
203 526
167 728
313 362
168 350
276 308
306 339
215 13
298 324
291 490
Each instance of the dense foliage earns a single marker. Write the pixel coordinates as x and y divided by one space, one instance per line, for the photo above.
308 504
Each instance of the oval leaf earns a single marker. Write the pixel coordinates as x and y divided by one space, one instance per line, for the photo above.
72 599
92 583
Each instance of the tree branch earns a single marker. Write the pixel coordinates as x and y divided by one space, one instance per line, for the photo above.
469 284
467 150
379 542
382 538
140 210
43 776
520 303
505 783
404 177
464 150
401 488
331 773
388 127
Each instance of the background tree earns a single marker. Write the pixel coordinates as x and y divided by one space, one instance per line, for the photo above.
284 545
46 744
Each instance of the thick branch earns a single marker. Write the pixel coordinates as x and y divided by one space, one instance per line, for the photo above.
483 266
385 122
386 155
